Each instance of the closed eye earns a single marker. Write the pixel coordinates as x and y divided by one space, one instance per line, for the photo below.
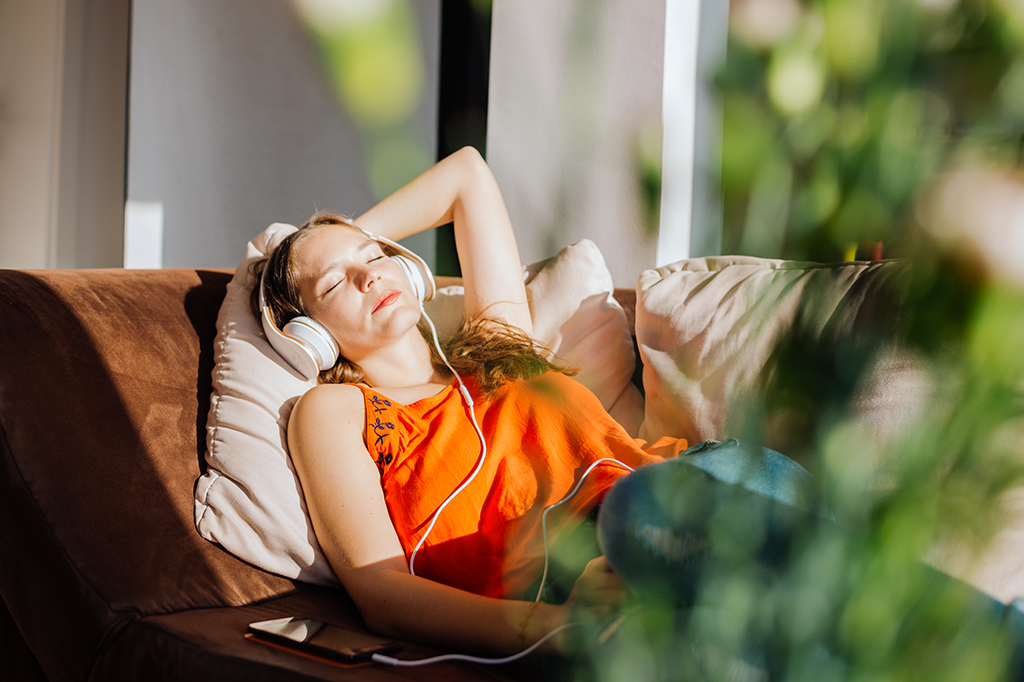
332 287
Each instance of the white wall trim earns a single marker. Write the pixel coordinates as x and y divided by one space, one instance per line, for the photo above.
143 234
678 106
696 34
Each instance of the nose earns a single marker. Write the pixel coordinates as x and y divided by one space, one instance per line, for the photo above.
368 277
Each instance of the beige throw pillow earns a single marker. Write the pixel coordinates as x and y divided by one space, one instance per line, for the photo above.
250 501
708 329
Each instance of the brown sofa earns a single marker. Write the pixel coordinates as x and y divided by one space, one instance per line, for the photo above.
104 394
105 384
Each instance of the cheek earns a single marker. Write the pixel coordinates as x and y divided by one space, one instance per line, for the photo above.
337 315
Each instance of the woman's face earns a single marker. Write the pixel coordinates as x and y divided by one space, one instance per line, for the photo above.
349 286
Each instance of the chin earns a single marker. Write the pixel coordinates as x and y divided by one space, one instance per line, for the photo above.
402 319
412 314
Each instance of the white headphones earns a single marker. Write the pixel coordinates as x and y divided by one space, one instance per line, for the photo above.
306 344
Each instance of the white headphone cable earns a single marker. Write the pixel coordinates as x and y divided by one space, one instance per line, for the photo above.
479 433
388 660
544 516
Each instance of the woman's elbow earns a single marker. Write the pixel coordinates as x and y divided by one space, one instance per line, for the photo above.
388 622
469 155
380 624
373 600
472 164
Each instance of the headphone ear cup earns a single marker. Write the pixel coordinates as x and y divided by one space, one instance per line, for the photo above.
305 344
418 276
315 338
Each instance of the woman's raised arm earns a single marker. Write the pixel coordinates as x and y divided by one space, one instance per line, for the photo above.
461 189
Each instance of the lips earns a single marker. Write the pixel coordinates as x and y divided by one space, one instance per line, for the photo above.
386 299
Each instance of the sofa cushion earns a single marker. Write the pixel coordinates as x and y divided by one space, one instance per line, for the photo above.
250 500
713 333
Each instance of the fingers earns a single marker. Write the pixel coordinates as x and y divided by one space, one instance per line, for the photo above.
599 589
603 579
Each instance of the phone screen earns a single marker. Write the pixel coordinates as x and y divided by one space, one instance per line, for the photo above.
315 636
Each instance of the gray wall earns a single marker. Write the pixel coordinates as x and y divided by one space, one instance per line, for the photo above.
583 93
234 124
28 118
63 94
575 87
90 229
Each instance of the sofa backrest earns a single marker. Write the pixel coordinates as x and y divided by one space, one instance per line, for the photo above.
104 393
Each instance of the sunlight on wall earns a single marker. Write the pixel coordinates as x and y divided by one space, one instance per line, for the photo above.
574 125
371 51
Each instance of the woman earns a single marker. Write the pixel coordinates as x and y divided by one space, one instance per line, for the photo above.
385 438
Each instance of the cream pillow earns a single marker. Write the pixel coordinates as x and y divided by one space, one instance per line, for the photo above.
250 501
576 316
707 329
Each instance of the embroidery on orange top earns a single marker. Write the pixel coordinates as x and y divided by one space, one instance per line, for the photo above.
381 430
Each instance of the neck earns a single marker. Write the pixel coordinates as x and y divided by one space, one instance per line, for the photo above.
404 363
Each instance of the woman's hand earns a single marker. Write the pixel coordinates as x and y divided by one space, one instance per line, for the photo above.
597 595
599 590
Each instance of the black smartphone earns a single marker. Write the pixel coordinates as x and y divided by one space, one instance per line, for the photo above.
322 639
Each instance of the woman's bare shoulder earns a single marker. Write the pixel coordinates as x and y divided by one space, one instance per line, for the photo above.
333 392
337 404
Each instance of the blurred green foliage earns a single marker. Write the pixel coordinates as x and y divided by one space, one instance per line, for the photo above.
847 123
837 113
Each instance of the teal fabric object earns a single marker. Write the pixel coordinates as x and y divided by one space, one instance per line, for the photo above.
758 470
731 501
677 532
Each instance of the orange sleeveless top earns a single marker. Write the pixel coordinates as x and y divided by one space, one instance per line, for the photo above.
541 434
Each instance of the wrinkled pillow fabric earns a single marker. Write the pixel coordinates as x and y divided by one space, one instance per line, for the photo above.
709 330
250 501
